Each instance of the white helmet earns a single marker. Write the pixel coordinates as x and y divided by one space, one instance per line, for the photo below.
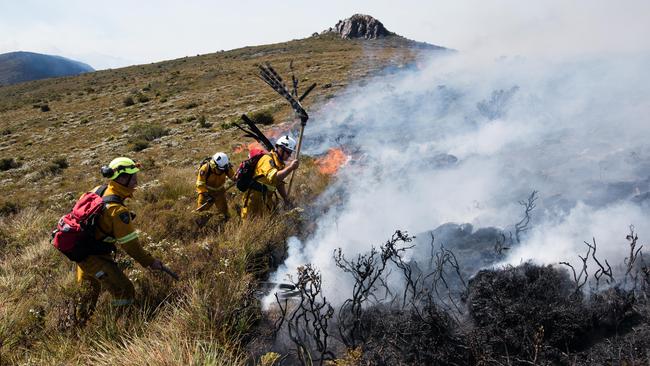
221 159
287 142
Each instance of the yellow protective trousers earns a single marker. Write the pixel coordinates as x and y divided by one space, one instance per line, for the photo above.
218 200
100 271
255 203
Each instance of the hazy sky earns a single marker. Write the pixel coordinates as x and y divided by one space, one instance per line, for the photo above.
117 33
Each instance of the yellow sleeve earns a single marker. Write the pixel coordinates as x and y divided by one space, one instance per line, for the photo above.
230 173
127 237
266 168
201 186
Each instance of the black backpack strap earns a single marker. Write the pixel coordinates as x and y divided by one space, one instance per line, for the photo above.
113 198
203 162
101 190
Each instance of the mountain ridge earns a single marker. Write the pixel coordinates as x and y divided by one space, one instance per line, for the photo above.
21 66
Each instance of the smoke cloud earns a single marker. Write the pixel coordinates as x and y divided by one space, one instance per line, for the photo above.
462 140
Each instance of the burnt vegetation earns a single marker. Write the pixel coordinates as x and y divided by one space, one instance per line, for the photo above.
513 315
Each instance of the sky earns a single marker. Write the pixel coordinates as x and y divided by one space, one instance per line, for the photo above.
110 34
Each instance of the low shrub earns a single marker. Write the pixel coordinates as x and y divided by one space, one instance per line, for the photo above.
203 123
264 117
8 163
514 305
147 131
8 208
128 101
142 98
139 145
190 105
57 166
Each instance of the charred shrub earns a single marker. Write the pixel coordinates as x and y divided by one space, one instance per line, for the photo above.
611 308
425 336
517 308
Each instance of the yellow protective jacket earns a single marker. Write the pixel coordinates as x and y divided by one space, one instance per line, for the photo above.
255 202
210 179
116 225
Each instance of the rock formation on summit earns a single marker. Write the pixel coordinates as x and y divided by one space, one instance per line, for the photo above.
360 26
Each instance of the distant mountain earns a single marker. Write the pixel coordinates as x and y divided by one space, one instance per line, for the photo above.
16 67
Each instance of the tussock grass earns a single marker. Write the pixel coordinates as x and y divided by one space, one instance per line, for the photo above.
206 318
22 229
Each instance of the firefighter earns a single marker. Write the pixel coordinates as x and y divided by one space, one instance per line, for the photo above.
115 226
210 183
270 171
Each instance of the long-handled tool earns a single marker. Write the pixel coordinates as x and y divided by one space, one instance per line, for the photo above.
210 200
302 132
283 290
273 79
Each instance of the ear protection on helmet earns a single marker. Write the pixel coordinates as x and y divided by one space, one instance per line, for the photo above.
107 171
112 173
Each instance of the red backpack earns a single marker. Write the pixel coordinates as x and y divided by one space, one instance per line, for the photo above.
74 235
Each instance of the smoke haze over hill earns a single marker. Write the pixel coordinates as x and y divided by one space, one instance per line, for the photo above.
457 140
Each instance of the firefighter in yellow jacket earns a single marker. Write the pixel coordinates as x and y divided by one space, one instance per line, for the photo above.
211 183
115 226
270 171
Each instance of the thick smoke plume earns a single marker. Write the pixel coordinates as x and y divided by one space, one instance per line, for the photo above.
453 139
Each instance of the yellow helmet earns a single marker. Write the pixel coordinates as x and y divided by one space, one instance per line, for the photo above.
118 166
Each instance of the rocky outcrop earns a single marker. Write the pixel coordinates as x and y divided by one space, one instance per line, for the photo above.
359 26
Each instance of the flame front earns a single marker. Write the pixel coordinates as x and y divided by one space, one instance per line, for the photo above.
251 147
330 163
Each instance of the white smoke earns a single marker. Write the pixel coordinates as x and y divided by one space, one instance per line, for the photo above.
458 140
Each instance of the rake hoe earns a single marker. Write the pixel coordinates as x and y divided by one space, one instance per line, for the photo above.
273 79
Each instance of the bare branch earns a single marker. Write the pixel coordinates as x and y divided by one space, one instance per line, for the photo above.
529 205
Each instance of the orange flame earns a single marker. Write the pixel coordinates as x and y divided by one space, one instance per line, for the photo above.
250 147
330 163
273 133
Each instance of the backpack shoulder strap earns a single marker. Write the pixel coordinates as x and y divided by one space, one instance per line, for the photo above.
204 162
101 190
112 198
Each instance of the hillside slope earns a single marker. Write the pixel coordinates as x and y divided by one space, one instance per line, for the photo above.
193 99
56 133
18 67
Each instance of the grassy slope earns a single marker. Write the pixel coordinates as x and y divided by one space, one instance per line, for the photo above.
205 317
